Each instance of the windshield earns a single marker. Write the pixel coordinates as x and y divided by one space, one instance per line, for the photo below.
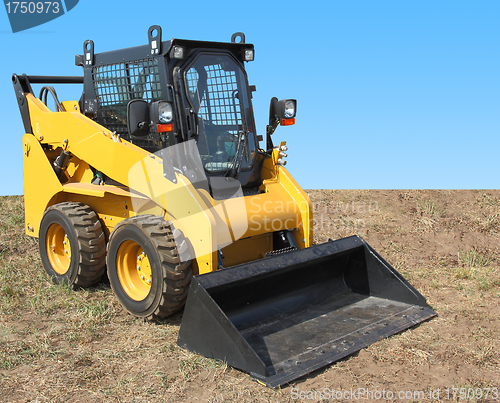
217 88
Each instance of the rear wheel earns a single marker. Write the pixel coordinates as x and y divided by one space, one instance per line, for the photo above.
72 244
144 267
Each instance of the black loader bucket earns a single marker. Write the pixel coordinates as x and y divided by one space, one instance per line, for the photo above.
285 316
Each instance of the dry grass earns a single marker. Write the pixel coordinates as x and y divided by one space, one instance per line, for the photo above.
59 345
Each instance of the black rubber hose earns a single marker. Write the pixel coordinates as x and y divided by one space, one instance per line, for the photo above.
44 92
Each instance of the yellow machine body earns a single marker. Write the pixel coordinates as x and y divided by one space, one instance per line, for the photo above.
281 205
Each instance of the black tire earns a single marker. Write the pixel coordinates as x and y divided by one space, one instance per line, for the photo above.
153 239
77 224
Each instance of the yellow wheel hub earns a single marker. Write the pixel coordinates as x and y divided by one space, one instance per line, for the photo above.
134 270
58 248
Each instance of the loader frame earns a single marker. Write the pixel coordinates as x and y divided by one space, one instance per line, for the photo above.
48 133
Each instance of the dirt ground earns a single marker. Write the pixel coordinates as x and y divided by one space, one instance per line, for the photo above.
60 345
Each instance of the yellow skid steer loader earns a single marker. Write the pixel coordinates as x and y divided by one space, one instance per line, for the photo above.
157 175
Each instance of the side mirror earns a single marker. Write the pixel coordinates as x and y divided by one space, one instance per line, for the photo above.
138 117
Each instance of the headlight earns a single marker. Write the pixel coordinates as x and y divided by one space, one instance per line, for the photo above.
289 109
177 52
249 55
282 112
286 109
165 112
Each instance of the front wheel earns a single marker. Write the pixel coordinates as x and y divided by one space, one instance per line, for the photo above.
144 267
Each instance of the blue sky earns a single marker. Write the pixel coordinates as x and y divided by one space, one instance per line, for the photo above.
391 94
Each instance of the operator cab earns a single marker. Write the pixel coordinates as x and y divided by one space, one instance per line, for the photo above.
168 93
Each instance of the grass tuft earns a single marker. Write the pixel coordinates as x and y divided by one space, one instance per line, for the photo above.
474 258
193 363
431 208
